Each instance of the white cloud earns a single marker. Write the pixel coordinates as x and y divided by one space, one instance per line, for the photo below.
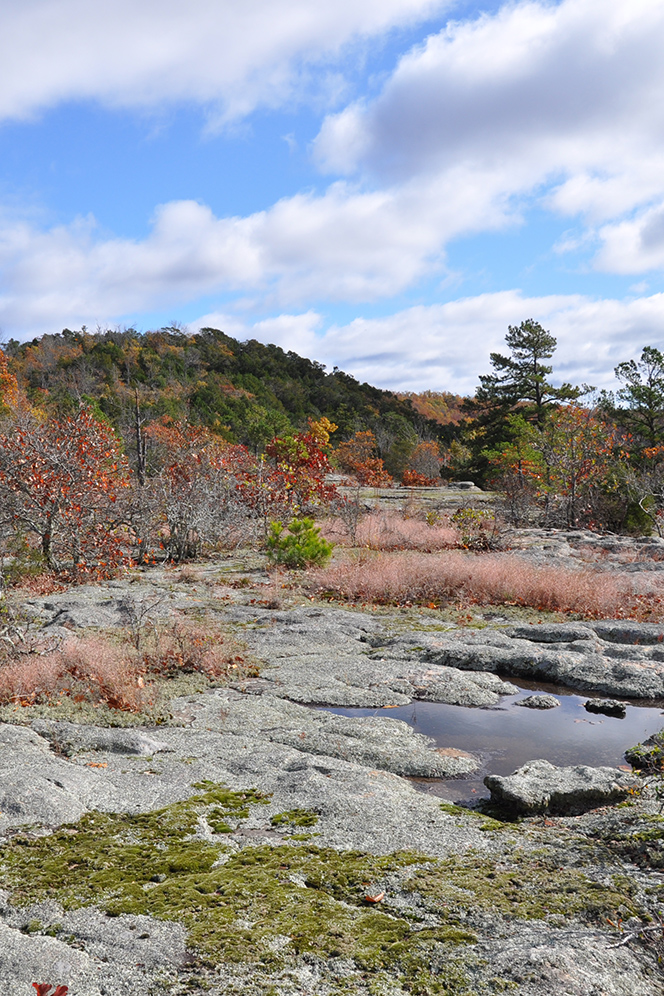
558 101
141 53
446 346
343 245
568 95
635 245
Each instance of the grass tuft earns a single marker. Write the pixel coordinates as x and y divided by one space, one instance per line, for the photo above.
484 579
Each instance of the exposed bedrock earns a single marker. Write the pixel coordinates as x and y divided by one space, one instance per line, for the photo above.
541 787
573 656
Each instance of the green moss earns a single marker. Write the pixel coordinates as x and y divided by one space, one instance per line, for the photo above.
489 824
267 905
452 810
234 905
296 818
528 888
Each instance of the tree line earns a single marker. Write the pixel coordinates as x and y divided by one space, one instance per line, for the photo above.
108 454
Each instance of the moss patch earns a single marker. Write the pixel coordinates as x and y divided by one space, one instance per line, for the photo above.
488 823
295 818
527 887
262 904
267 905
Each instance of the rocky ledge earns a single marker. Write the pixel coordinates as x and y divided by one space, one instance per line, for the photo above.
257 844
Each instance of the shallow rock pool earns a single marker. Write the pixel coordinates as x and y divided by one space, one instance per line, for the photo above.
509 735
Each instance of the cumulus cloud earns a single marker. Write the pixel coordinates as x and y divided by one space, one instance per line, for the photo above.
142 53
635 245
568 95
446 346
343 245
557 102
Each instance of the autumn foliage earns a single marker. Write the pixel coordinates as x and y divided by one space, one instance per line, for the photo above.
61 481
565 465
9 389
358 457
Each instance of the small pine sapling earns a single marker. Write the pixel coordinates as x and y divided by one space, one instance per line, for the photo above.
301 546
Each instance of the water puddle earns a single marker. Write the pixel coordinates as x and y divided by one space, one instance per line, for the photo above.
507 736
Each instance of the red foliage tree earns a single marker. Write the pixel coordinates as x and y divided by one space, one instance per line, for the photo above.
60 480
198 495
300 465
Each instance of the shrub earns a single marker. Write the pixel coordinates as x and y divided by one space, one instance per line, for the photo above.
301 546
400 578
101 671
89 670
188 648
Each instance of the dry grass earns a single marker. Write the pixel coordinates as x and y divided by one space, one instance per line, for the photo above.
101 670
188 648
458 578
389 531
88 670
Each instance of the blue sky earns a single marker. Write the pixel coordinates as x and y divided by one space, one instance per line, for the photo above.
382 185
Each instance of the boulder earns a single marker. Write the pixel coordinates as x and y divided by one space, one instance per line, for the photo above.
649 755
606 707
539 702
541 787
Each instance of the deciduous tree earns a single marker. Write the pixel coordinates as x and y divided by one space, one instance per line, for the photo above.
357 456
60 480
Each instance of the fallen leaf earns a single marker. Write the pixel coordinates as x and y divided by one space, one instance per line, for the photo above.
374 899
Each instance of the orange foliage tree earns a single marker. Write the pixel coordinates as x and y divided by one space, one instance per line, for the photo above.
9 389
60 481
565 463
357 456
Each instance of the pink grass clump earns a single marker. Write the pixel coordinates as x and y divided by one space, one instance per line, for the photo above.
389 531
401 578
86 670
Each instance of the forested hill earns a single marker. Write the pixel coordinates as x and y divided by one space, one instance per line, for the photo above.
246 391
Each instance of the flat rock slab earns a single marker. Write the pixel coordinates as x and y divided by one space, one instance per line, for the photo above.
326 657
573 656
541 787
375 742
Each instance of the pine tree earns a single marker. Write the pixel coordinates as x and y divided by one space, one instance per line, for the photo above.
642 395
520 380
519 385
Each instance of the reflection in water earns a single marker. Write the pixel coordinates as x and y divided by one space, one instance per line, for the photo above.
508 736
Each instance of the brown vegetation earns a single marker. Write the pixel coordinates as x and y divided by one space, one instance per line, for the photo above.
462 578
102 670
389 531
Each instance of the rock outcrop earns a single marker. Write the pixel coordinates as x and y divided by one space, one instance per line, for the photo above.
541 787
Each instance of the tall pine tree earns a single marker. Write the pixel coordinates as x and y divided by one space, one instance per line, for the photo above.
519 385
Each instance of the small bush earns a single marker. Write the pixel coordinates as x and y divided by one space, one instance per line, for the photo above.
89 670
190 648
301 546
100 671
